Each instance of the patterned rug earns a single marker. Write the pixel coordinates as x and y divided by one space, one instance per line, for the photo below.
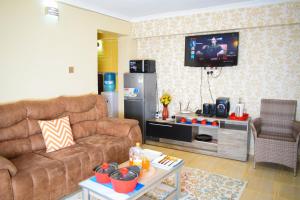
198 184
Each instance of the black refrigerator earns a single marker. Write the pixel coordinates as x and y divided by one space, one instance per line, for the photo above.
140 91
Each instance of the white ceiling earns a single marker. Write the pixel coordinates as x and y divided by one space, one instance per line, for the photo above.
138 10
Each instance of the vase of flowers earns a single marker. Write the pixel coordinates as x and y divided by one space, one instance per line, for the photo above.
165 99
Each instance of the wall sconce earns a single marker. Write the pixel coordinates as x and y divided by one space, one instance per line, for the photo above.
51 8
52 11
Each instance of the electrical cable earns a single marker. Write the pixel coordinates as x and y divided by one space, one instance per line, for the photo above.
209 89
220 71
201 102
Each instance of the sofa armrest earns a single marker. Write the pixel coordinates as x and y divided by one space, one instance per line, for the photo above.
135 135
296 130
256 127
6 192
116 127
6 164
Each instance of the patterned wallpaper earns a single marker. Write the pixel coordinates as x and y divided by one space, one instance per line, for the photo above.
269 58
269 15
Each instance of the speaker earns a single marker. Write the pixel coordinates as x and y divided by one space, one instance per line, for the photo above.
222 107
205 109
209 109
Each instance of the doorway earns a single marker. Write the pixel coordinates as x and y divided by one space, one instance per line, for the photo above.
107 47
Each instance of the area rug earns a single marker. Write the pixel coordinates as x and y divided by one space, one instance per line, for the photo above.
198 184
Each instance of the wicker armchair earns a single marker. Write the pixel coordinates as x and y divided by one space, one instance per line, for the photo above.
276 133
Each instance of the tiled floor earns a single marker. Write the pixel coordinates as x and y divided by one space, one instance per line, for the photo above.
267 181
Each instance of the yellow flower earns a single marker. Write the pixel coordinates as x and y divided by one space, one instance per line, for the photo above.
165 99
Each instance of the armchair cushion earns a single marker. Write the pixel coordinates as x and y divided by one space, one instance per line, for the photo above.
277 137
6 164
115 127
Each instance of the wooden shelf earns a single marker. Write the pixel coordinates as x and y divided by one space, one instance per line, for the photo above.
230 138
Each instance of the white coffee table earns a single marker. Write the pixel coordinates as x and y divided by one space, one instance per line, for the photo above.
91 188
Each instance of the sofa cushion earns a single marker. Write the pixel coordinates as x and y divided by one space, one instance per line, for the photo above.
114 149
57 133
115 127
12 114
14 148
44 110
38 177
84 129
95 156
78 163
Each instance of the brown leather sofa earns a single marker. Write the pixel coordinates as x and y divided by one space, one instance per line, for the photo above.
27 172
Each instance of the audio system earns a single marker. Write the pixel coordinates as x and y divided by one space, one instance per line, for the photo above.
222 107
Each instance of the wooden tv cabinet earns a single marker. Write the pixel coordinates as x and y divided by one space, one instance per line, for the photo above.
230 137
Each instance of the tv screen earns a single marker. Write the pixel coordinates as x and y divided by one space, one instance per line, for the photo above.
214 50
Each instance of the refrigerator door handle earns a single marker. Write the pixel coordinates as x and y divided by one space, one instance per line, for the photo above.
161 125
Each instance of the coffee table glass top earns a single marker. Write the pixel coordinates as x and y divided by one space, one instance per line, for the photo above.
149 179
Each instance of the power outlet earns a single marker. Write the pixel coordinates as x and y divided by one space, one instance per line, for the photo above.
71 69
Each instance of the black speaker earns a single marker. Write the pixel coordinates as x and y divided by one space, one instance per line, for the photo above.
209 109
222 107
205 109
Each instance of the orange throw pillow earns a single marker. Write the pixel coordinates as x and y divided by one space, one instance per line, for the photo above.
57 133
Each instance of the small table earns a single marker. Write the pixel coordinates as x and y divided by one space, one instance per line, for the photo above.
91 188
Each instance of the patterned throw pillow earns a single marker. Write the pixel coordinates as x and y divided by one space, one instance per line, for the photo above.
57 133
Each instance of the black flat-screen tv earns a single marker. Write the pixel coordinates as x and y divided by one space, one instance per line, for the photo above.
214 50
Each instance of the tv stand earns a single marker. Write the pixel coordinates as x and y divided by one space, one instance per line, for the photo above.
230 137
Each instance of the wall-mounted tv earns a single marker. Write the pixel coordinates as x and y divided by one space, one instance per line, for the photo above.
214 50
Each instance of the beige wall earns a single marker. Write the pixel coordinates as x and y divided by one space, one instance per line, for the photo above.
36 52
127 50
